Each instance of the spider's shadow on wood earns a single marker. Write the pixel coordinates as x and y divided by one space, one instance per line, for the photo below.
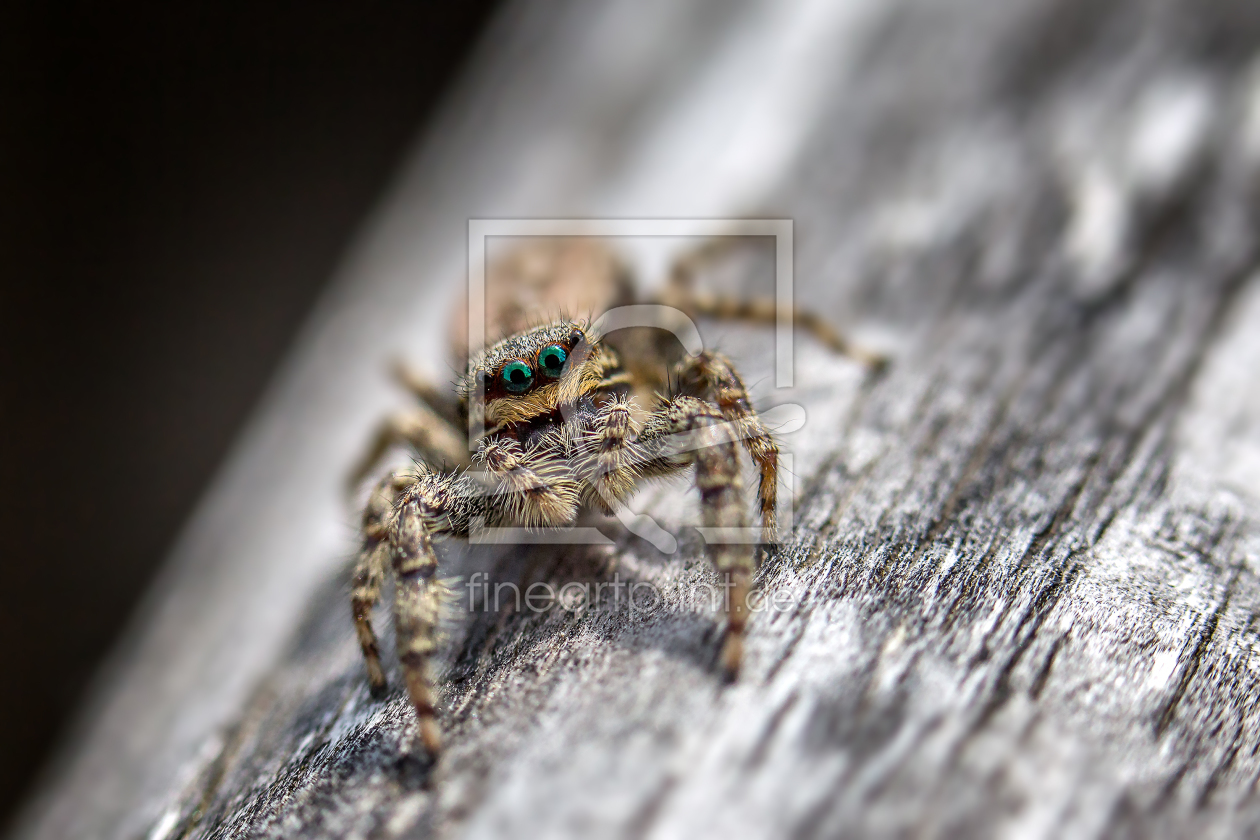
492 628
479 642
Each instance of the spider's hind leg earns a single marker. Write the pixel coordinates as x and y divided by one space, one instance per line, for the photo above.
680 292
405 513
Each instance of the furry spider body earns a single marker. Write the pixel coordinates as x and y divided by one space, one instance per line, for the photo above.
561 435
571 421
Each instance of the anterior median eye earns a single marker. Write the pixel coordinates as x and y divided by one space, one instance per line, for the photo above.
552 359
517 377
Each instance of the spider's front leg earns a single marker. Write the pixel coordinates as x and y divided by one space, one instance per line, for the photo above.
369 571
711 376
690 431
417 517
406 512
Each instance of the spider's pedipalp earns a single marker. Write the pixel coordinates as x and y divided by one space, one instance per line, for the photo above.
536 488
608 454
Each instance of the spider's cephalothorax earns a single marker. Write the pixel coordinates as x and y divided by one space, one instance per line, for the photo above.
561 435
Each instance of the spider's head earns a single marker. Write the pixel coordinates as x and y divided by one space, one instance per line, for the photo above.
532 374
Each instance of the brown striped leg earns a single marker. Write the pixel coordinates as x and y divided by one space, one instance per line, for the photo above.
680 293
416 603
440 400
711 376
370 570
367 590
436 441
715 457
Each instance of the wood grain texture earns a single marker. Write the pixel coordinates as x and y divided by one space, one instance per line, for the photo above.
1020 595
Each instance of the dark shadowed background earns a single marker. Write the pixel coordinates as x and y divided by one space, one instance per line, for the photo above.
176 185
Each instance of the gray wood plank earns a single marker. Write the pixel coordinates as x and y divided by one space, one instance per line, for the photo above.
1020 595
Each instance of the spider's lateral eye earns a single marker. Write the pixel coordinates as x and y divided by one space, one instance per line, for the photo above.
576 337
517 376
552 359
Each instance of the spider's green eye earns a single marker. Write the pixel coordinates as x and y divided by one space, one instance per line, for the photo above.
517 377
552 359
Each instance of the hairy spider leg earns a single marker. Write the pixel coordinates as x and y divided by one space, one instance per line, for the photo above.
721 499
711 376
682 432
680 292
432 438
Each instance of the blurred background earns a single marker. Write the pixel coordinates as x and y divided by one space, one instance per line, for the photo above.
177 183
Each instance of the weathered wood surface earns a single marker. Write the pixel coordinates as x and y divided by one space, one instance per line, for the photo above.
1023 577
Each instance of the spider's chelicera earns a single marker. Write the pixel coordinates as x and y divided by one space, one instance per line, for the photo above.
562 434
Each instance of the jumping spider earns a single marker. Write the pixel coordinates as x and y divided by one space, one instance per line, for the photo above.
563 433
